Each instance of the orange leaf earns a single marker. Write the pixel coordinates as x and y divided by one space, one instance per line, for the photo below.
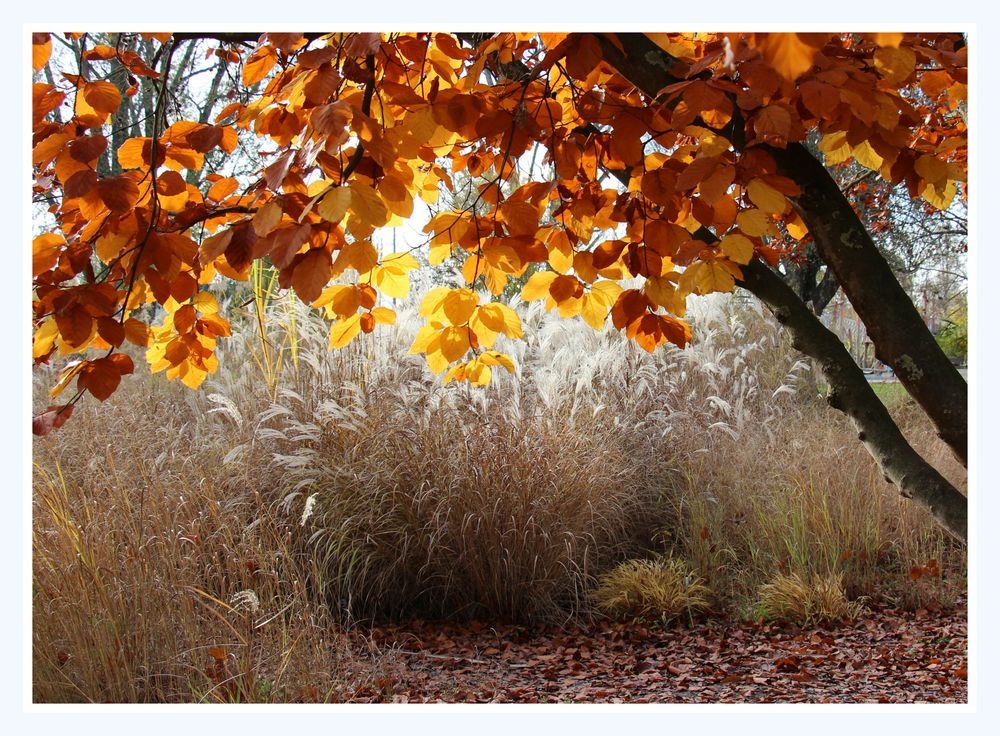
136 332
363 44
583 56
184 319
608 252
110 330
790 54
87 148
75 325
171 191
119 193
101 377
222 189
103 97
565 287
41 49
45 251
259 64
311 274
773 120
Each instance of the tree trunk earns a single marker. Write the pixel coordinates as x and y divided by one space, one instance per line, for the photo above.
851 393
900 336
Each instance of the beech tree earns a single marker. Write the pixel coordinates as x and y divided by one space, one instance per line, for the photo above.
674 164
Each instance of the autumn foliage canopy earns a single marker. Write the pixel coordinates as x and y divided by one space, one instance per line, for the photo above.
646 196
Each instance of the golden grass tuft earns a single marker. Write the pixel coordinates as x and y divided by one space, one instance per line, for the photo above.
798 599
659 589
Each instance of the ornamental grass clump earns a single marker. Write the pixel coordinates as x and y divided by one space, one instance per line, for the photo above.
659 589
807 600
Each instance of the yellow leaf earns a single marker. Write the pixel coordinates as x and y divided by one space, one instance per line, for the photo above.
344 330
940 197
895 64
593 311
334 205
570 307
766 197
737 248
191 375
561 252
390 277
487 323
932 170
68 372
359 255
537 285
455 373
45 250
454 343
662 292
367 205
754 222
384 315
865 155
511 322
391 282
606 292
706 278
45 337
401 261
492 357
425 336
433 302
478 373
439 253
110 245
342 300
885 39
205 303
435 358
836 147
459 304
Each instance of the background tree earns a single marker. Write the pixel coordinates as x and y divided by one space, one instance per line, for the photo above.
677 162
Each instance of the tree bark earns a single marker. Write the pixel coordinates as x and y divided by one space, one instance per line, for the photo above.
851 393
803 277
900 337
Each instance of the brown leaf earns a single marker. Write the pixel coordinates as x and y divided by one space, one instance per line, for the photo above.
53 418
311 274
